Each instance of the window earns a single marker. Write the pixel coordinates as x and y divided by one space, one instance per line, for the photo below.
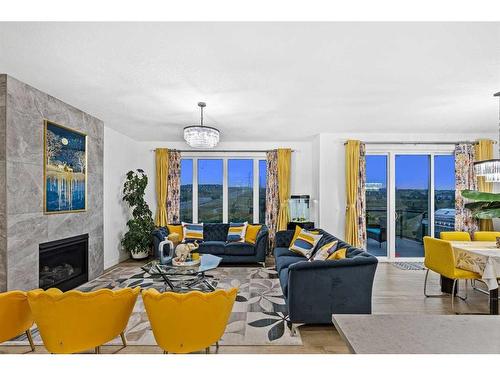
240 190
186 205
444 194
223 189
210 190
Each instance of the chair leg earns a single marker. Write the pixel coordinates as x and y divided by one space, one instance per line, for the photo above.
165 352
124 340
97 350
217 345
207 350
30 339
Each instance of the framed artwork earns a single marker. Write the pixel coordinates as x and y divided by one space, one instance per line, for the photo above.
64 169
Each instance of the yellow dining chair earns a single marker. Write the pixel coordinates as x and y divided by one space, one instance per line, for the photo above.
440 258
486 236
189 322
455 236
75 321
15 316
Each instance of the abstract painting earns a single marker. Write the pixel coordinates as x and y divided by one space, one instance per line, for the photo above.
65 169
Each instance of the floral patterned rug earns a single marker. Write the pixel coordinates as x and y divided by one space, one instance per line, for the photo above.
258 317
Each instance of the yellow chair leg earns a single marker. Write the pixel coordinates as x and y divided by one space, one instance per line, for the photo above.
30 339
124 340
97 350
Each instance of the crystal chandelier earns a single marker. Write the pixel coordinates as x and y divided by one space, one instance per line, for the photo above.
201 136
490 169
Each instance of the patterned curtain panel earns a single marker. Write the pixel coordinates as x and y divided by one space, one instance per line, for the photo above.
161 155
484 151
272 199
465 178
361 198
174 187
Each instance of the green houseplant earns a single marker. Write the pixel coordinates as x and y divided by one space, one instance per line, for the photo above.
485 205
137 240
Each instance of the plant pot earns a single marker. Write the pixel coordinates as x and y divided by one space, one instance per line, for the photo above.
140 254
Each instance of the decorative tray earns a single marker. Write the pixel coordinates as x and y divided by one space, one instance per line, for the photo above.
191 263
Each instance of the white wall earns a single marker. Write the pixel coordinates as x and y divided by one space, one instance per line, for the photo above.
119 157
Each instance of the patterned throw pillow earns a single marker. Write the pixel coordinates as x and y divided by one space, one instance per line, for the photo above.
252 233
325 251
305 243
297 232
236 232
339 254
192 232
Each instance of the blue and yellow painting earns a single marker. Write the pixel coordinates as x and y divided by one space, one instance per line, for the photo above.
65 169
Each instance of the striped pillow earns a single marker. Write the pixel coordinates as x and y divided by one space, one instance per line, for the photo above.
236 232
192 232
305 243
325 251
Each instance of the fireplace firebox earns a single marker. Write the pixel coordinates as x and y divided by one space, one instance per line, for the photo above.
64 263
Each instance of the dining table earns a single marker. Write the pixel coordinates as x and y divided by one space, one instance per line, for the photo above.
483 258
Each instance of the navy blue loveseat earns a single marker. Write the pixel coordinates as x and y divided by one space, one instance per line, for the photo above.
214 242
315 290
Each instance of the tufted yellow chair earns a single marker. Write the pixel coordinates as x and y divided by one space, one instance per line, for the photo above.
15 316
75 321
455 236
486 236
185 323
440 258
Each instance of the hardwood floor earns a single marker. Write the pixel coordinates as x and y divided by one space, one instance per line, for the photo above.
395 291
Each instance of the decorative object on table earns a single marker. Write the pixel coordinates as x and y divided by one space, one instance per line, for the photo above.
299 208
166 252
137 240
201 136
490 169
189 262
64 169
183 251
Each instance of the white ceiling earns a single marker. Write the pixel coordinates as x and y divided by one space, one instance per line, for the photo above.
265 81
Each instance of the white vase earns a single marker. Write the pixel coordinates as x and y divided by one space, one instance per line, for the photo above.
140 255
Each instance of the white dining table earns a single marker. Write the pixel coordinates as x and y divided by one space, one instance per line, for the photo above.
483 258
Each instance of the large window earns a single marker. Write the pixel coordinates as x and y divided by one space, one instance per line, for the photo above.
444 194
223 189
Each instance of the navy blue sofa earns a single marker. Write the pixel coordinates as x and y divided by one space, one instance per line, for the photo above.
215 243
315 290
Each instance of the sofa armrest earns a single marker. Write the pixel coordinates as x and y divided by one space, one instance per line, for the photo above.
283 238
261 245
318 289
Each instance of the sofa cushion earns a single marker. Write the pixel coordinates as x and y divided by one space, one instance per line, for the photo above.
305 243
252 232
215 232
239 248
192 232
212 247
285 261
283 275
236 232
285 251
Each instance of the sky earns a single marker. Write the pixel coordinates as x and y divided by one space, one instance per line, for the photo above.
240 172
412 171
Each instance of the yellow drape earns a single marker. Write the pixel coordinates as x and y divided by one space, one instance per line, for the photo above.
484 151
161 186
284 166
352 180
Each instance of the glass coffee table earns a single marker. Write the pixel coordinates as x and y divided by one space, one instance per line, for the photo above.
181 278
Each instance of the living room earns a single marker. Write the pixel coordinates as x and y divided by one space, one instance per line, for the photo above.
248 188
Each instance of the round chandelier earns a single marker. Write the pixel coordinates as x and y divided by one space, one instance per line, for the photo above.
490 169
201 136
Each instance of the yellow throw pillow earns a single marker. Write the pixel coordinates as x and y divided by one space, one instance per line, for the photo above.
325 251
177 229
251 233
297 232
339 254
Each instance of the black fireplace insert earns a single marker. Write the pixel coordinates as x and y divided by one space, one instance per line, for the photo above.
64 263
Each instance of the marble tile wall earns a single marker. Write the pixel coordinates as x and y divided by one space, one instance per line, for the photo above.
3 185
26 224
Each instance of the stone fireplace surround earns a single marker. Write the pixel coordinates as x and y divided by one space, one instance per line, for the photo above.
23 225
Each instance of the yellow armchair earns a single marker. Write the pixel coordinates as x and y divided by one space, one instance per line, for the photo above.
440 258
486 236
15 316
75 321
185 323
455 236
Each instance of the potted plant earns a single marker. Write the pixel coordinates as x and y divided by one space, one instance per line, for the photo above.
137 240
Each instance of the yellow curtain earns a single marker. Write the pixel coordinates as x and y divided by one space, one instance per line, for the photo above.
352 178
483 150
161 186
284 166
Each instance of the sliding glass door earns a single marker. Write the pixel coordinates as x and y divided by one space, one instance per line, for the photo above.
408 196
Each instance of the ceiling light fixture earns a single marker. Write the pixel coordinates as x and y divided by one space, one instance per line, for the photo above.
201 136
490 169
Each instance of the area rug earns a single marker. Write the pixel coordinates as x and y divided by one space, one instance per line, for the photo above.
409 266
259 315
